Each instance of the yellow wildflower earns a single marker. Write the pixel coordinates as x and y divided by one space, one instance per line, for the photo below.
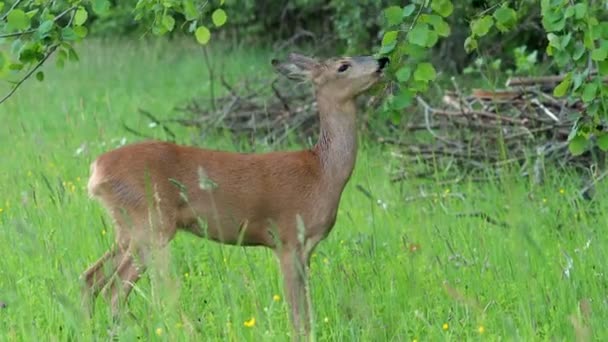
159 331
1 210
445 326
250 323
186 274
481 329
562 191
326 319
276 298
103 232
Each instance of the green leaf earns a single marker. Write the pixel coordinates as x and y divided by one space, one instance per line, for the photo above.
505 18
562 88
81 31
389 37
600 53
393 15
67 33
470 44
443 7
408 10
580 10
480 27
45 28
589 91
440 26
402 100
578 145
168 22
81 15
219 17
40 76
202 35
17 20
388 48
579 51
190 10
101 7
602 142
425 72
419 35
403 74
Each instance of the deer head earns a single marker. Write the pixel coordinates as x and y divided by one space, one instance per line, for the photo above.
344 78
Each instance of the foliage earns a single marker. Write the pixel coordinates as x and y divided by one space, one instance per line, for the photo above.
32 31
577 45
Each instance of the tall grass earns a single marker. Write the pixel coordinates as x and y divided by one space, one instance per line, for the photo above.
397 266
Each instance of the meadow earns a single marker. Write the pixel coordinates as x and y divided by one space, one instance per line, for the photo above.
395 267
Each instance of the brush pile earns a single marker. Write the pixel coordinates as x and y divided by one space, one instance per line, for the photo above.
523 126
272 109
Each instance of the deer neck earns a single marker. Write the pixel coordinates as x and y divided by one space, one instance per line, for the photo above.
337 145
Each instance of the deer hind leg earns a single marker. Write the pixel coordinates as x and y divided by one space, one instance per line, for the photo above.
150 234
99 274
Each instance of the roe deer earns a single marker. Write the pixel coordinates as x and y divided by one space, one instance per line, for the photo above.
286 201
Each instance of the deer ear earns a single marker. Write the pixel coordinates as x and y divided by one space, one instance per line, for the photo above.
297 67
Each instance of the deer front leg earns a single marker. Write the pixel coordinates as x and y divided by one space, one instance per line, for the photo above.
294 266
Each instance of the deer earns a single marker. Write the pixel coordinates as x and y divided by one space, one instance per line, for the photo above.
286 201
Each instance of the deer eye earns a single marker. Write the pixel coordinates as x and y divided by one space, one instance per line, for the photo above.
343 67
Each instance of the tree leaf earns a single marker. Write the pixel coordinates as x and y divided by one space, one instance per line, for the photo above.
578 145
470 44
408 10
589 92
403 74
45 28
480 27
18 20
440 26
419 35
190 10
388 48
168 22
101 7
81 15
67 33
600 53
425 72
389 37
402 100
443 7
202 35
40 76
602 142
562 88
81 31
393 15
219 17
505 18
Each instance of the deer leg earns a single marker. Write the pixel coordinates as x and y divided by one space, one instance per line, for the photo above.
294 266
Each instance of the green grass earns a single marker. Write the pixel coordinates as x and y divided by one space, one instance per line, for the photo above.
396 270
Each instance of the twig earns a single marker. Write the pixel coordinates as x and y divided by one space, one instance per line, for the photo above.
30 73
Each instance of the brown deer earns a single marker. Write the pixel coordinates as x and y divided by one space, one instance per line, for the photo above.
286 201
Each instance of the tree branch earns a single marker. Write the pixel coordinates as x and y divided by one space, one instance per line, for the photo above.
30 73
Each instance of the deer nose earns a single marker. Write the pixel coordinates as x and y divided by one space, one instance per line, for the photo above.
382 62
